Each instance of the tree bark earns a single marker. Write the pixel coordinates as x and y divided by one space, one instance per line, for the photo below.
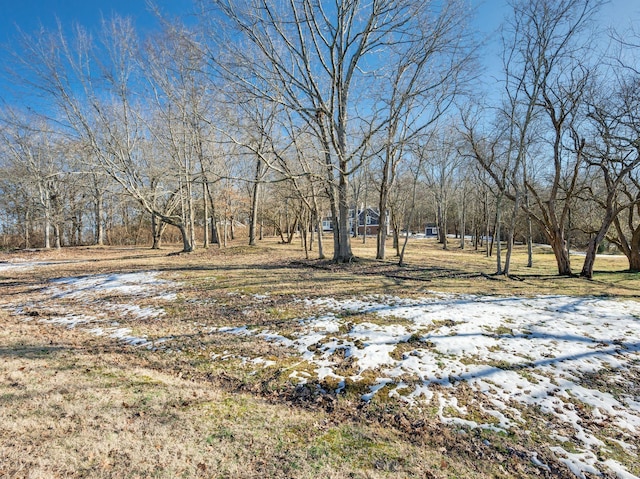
205 213
318 218
498 234
559 247
463 218
634 253
156 232
594 243
343 252
254 213
99 234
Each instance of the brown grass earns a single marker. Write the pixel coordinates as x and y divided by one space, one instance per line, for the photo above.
74 405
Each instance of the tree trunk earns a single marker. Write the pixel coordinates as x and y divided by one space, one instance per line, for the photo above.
559 247
190 214
280 232
396 232
445 241
594 243
215 237
507 259
441 232
463 218
47 229
343 252
305 223
404 247
205 214
57 235
634 253
409 219
187 247
156 232
99 238
489 245
590 258
511 233
255 192
497 235
366 210
318 218
529 235
320 238
254 213
292 231
27 229
79 229
381 237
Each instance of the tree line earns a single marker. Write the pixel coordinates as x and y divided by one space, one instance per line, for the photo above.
270 116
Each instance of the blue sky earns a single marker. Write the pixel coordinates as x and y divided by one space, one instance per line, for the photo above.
615 13
28 15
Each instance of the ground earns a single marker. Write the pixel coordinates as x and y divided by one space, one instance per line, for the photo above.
254 362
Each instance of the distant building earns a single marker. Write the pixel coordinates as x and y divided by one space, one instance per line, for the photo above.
366 220
327 224
431 229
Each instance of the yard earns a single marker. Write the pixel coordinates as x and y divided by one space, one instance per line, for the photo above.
253 362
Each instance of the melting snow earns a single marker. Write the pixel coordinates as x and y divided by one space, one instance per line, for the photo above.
97 292
536 351
18 264
541 352
141 284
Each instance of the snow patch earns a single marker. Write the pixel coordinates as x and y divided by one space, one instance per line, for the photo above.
536 351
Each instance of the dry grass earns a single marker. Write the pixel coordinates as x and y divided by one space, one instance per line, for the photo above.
73 405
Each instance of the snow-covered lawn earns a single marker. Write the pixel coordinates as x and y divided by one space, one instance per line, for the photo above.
574 361
99 301
20 264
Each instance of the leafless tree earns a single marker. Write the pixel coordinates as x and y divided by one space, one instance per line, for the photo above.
441 163
423 80
91 84
614 155
548 75
34 152
321 63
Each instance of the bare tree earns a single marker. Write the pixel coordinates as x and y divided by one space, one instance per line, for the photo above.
547 80
34 151
440 165
614 154
627 224
176 68
424 79
322 64
491 152
91 84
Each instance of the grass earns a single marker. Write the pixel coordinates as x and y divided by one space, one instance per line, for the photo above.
75 405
